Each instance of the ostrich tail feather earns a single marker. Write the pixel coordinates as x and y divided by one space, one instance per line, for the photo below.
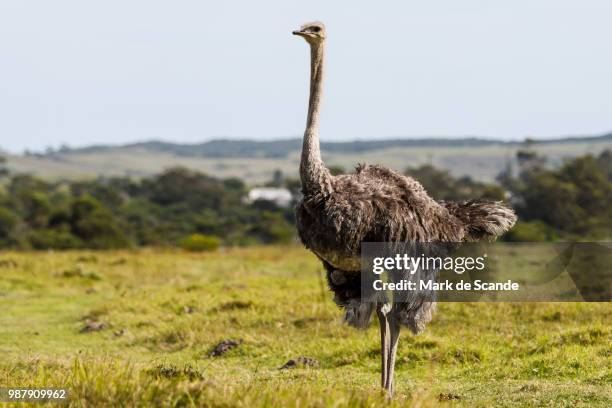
483 219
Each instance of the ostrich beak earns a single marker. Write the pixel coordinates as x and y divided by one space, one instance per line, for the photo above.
300 33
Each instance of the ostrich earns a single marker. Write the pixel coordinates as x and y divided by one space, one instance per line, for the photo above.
376 204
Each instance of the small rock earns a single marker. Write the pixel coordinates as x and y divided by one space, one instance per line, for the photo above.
93 326
189 309
224 346
300 361
528 388
120 333
289 364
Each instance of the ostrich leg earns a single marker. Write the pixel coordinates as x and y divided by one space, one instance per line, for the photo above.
389 336
382 309
394 327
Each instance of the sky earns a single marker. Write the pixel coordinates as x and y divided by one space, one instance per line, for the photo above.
114 72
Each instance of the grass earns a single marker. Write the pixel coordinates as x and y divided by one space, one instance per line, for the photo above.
140 329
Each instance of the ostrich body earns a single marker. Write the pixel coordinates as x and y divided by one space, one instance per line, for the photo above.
374 204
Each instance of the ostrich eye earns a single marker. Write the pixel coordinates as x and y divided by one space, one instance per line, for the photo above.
315 29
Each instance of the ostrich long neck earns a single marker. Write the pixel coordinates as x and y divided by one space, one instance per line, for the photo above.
313 173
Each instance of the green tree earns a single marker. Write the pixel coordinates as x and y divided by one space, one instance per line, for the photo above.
95 225
574 200
8 223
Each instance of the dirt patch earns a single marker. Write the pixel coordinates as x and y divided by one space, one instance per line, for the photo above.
87 259
120 332
173 372
425 344
308 321
528 388
79 272
93 327
300 362
233 305
120 261
448 397
224 346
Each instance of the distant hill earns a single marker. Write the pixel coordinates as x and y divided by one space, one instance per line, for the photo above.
282 148
256 161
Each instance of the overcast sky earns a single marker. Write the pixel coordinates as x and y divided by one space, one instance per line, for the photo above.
83 72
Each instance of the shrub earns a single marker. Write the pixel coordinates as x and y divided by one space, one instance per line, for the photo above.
8 220
96 225
53 239
200 243
271 228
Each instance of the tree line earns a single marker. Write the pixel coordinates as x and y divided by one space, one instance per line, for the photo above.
166 210
196 211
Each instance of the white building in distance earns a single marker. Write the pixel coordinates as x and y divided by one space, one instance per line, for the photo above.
279 196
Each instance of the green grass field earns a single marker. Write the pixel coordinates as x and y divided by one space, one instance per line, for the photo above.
138 328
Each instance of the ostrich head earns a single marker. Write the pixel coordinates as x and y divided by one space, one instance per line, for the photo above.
313 33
